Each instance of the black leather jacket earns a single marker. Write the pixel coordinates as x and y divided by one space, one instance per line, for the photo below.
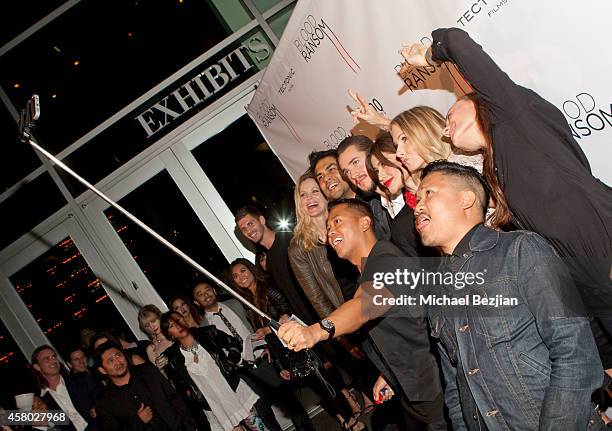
277 306
224 349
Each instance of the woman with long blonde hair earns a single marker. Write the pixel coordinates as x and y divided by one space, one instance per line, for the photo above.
327 280
419 134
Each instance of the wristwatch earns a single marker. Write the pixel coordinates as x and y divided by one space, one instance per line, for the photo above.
328 326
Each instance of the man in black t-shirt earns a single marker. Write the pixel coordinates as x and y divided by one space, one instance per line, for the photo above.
398 343
252 225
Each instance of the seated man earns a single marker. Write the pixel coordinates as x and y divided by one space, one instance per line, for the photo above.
526 362
139 397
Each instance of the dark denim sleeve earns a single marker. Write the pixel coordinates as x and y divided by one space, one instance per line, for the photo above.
451 393
551 296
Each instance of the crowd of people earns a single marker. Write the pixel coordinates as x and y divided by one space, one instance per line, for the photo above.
498 187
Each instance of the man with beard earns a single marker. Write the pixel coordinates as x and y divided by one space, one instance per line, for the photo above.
324 165
252 224
352 153
138 398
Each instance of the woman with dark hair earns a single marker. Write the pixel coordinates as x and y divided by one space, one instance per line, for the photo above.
185 308
543 172
253 285
397 190
203 365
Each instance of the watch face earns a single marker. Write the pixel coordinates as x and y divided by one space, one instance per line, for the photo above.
327 324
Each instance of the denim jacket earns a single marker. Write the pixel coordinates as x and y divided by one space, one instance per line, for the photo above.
531 365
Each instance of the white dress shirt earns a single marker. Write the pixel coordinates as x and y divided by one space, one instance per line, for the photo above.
62 398
232 317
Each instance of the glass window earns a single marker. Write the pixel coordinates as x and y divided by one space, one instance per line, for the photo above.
15 375
264 5
100 55
19 158
279 21
146 124
243 169
24 14
160 204
232 13
65 296
28 206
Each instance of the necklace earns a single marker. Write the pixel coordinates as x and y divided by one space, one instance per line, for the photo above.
193 349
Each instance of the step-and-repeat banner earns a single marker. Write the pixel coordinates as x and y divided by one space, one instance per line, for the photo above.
562 50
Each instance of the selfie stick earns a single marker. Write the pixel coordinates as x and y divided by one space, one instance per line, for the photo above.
31 113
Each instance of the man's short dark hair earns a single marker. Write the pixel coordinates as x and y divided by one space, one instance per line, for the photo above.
99 336
362 142
355 204
74 348
316 156
245 211
470 176
103 348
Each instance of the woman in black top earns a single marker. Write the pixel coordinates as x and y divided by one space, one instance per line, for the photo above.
533 165
212 394
531 155
394 182
253 285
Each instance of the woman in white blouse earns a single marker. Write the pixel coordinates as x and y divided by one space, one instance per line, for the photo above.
203 365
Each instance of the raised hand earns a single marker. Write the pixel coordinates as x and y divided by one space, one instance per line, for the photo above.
414 54
367 113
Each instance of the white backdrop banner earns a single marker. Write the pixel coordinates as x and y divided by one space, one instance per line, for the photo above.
559 49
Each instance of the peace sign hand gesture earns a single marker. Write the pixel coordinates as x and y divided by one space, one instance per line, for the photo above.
367 113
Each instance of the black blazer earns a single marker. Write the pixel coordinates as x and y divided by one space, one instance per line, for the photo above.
118 405
398 343
405 236
224 349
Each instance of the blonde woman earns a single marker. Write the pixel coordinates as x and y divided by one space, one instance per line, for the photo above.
419 137
149 321
327 280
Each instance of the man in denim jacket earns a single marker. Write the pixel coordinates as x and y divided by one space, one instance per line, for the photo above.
525 360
